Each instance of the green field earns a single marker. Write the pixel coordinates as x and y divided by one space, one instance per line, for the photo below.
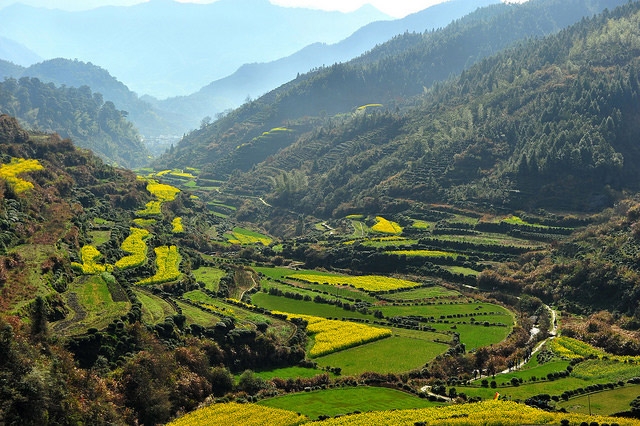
93 306
283 304
328 292
491 239
461 270
333 402
523 391
291 373
99 237
154 308
539 372
225 308
423 293
209 276
198 316
474 309
603 403
385 356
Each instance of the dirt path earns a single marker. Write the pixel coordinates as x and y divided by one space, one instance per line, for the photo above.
79 314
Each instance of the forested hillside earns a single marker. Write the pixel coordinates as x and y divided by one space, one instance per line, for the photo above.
390 75
151 122
75 113
547 124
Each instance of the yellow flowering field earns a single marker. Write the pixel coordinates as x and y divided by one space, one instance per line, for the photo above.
503 413
10 172
135 245
364 282
568 347
177 225
152 208
233 413
143 223
333 335
167 266
90 256
386 226
245 236
163 193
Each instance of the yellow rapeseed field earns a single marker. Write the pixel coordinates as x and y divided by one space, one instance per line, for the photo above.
503 413
364 282
233 413
10 172
386 226
333 335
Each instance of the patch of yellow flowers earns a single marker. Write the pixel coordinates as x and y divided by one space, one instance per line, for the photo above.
10 172
167 266
233 413
386 226
135 245
90 256
365 282
333 335
503 413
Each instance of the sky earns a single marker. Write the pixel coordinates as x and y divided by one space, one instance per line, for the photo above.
393 8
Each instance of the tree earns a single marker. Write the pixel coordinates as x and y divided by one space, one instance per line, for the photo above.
250 383
39 323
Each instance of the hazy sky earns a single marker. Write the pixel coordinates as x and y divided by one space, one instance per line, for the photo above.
395 8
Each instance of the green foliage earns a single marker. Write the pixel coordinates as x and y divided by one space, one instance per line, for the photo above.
75 113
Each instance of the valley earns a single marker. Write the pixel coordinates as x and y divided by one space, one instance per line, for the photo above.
435 232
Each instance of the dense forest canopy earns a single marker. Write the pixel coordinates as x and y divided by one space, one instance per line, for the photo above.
75 113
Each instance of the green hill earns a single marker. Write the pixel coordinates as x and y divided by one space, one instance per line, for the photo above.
390 74
75 113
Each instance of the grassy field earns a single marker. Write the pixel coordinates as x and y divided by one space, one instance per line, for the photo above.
99 237
276 303
538 371
523 391
245 317
333 402
325 291
209 276
603 403
291 373
461 270
475 336
490 239
423 293
384 356
475 309
90 295
154 309
198 316
331 290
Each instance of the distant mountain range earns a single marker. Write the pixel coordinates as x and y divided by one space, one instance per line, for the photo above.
254 79
166 48
159 119
16 53
539 124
